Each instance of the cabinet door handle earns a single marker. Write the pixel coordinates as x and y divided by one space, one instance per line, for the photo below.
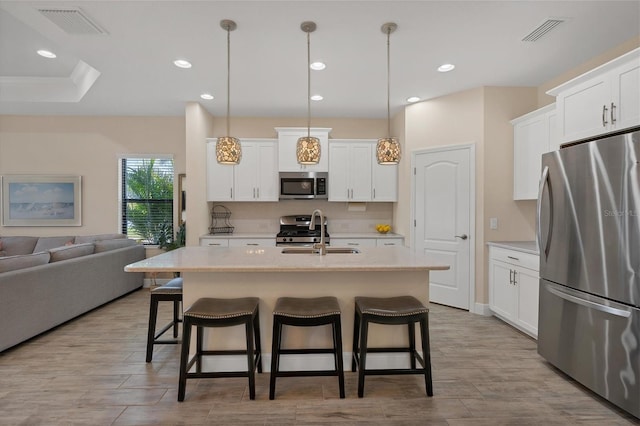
514 258
613 117
258 192
230 192
353 244
604 116
510 276
374 193
514 277
253 244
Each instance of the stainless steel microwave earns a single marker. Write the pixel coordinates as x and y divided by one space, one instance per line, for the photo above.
303 185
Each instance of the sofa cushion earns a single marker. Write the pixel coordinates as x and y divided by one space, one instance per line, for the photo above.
106 245
70 251
13 246
80 239
11 263
47 243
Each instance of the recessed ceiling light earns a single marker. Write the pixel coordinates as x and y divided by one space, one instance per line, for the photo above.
317 98
207 96
46 54
446 67
181 63
318 66
413 99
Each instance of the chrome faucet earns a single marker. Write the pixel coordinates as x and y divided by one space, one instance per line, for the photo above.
321 246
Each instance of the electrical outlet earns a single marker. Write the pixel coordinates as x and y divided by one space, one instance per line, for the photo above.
493 223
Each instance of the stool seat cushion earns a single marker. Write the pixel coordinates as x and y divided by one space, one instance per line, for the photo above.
172 287
317 307
390 306
210 308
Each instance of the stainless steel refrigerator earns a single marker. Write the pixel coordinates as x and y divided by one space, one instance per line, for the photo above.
589 239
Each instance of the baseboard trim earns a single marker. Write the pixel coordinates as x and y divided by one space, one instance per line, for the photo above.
482 309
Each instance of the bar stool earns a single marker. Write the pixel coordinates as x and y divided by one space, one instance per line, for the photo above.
306 312
392 310
169 292
210 312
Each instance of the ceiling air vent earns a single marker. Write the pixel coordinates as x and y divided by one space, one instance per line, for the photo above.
543 29
72 21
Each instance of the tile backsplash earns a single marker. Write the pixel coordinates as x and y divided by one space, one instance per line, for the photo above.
264 217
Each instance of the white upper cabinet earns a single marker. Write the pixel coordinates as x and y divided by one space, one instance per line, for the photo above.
287 139
254 179
355 175
219 176
600 101
533 135
350 171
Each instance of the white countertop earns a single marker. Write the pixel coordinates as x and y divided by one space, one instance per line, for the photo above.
254 235
523 246
271 259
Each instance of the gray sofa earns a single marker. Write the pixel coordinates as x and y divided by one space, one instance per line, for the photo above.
59 279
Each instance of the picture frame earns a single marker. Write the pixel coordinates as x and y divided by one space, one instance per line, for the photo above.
41 200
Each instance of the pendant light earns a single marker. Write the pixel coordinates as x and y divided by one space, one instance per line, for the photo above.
388 149
307 147
228 150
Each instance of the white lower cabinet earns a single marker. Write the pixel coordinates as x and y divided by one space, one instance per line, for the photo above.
389 242
514 288
252 242
353 242
214 242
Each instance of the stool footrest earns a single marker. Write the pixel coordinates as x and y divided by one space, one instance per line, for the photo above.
306 351
309 373
164 330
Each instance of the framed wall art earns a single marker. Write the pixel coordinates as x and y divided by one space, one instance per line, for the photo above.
41 200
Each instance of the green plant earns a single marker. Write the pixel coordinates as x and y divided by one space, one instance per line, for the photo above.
167 241
149 194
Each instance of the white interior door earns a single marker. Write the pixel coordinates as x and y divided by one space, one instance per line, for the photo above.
443 213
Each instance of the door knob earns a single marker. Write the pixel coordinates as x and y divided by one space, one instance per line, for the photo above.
462 237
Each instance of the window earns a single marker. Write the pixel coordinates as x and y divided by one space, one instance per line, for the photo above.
147 199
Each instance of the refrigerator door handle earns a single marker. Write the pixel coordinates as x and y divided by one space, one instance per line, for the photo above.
543 183
589 304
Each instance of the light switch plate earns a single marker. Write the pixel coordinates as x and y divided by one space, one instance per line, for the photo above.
493 223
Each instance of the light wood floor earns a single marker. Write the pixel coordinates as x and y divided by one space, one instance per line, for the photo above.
92 371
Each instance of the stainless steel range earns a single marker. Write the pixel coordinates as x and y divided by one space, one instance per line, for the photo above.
294 231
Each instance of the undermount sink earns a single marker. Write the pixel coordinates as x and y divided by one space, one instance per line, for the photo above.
311 250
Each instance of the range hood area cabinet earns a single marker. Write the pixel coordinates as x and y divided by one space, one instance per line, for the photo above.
355 175
287 139
254 179
603 100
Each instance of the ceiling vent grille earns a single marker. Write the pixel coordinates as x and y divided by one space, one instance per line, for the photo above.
72 21
543 29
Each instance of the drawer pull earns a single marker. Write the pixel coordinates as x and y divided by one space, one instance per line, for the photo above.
513 258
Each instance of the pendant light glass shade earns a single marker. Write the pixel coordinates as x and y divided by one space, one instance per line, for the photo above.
308 147
308 150
228 149
388 149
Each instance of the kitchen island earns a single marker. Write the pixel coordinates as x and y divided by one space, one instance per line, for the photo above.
268 273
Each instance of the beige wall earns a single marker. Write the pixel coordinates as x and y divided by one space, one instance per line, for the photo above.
481 117
544 99
88 147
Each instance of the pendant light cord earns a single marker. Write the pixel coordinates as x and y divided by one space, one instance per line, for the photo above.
388 82
228 77
308 84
